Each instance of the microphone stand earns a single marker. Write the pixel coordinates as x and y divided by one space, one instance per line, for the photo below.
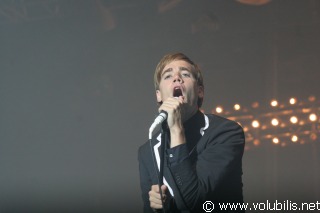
163 147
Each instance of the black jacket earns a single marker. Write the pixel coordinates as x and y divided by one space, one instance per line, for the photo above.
207 168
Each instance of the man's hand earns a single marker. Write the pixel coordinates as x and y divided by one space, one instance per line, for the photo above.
155 198
173 106
175 109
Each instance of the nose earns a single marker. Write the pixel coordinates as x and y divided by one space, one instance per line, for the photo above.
177 78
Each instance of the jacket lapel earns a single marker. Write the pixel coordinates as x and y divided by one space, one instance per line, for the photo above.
156 150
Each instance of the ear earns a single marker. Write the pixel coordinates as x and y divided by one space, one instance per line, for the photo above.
200 92
159 97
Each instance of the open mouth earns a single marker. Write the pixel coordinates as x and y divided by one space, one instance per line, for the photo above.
177 92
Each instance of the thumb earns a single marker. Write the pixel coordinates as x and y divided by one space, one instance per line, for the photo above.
164 188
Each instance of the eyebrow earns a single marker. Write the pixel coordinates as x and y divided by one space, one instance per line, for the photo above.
170 70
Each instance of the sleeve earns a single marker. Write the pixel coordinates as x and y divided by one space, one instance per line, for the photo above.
218 170
145 180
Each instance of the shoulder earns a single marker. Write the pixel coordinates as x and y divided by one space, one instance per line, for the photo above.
216 121
221 126
144 151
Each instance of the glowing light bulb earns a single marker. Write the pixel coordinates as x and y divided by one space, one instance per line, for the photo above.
274 103
313 117
294 138
275 140
294 119
275 122
292 101
255 124
219 109
236 107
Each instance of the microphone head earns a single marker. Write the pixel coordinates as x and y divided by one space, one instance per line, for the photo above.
164 114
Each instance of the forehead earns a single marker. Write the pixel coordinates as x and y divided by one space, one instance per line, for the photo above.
178 64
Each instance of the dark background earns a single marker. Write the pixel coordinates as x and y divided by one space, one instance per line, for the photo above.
77 95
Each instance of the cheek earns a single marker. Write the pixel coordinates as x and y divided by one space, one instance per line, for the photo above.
194 95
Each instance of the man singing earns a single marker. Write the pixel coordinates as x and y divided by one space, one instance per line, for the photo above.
203 156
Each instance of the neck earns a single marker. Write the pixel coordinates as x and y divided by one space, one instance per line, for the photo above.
188 115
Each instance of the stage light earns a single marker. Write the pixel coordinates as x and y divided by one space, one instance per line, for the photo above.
275 122
294 119
280 123
313 136
255 105
236 107
292 101
275 140
306 110
255 124
312 98
219 109
256 142
274 103
294 138
313 117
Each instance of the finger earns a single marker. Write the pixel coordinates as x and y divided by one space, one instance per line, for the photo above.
181 99
164 189
154 195
154 192
155 188
170 104
155 200
155 205
168 107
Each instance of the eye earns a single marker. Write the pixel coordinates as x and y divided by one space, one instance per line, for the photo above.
167 76
186 74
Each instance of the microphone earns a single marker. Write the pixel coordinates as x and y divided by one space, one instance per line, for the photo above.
159 119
